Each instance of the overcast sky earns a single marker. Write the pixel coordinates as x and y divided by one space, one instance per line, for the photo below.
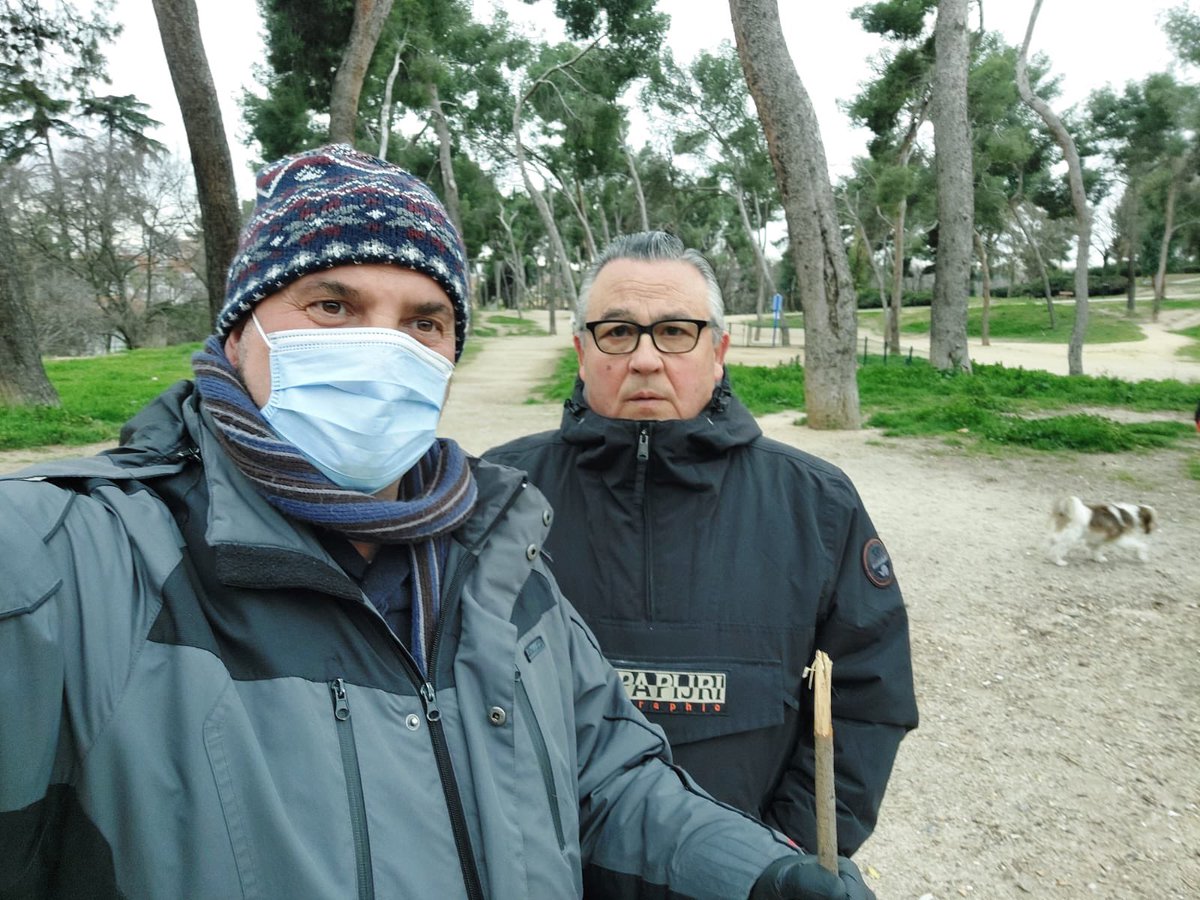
1090 44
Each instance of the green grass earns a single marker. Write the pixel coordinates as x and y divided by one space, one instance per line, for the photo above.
1023 319
995 405
500 324
99 394
1191 351
1193 466
561 383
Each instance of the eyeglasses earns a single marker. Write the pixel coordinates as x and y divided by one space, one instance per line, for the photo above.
618 337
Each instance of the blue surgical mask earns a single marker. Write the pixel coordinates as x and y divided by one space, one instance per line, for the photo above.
361 404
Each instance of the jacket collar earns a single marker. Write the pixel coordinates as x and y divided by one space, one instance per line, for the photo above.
679 448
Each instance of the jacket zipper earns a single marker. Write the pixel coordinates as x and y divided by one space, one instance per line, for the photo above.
354 790
543 758
643 463
441 752
437 734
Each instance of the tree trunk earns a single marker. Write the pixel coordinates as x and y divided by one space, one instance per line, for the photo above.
955 190
984 322
1164 249
580 214
1131 278
760 261
1083 214
517 264
1131 239
369 16
900 237
876 271
814 234
1037 256
760 254
220 218
896 301
385 111
445 162
23 380
637 186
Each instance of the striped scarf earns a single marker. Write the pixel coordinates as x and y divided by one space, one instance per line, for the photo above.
436 495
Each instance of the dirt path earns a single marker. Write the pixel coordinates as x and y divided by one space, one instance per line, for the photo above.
1059 749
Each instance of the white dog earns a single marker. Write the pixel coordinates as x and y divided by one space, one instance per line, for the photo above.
1073 522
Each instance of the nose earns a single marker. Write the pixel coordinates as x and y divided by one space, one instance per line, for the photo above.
645 356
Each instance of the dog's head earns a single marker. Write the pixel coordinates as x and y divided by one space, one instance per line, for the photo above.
1147 518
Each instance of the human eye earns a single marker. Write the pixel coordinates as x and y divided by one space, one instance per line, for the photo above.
616 330
429 330
671 328
427 326
328 310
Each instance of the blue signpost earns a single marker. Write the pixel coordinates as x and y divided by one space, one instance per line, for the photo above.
776 310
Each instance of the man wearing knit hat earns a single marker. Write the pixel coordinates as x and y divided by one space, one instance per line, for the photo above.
283 642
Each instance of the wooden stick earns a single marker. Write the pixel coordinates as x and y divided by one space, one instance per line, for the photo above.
820 676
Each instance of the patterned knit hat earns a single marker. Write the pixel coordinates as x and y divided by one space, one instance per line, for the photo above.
335 206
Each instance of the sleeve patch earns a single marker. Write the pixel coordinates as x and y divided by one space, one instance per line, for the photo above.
877 565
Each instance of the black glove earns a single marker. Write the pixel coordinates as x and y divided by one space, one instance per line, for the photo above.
801 877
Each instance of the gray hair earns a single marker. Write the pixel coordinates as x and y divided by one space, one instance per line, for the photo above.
652 246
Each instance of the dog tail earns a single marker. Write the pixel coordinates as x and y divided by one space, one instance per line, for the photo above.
1064 506
1063 511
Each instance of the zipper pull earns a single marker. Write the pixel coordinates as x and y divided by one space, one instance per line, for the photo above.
341 709
643 450
429 700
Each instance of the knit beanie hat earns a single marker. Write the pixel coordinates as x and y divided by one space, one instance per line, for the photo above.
335 206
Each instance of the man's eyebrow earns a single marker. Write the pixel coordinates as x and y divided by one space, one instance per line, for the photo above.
332 286
432 307
343 291
625 314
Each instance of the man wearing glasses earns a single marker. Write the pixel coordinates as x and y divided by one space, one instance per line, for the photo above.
711 561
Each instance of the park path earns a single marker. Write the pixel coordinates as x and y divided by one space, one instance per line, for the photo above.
489 393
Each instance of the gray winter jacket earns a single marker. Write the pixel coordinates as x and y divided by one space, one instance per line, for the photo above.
200 703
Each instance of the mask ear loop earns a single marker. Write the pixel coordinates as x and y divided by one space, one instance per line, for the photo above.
258 325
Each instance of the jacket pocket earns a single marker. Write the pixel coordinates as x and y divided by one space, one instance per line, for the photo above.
696 700
525 710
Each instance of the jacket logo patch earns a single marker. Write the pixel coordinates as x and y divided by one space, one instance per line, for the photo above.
675 693
877 564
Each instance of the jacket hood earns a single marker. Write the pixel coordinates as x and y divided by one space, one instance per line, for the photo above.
679 447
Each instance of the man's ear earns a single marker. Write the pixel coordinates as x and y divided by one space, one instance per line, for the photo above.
579 353
719 357
233 343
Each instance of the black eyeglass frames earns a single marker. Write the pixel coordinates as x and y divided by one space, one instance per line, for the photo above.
618 337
